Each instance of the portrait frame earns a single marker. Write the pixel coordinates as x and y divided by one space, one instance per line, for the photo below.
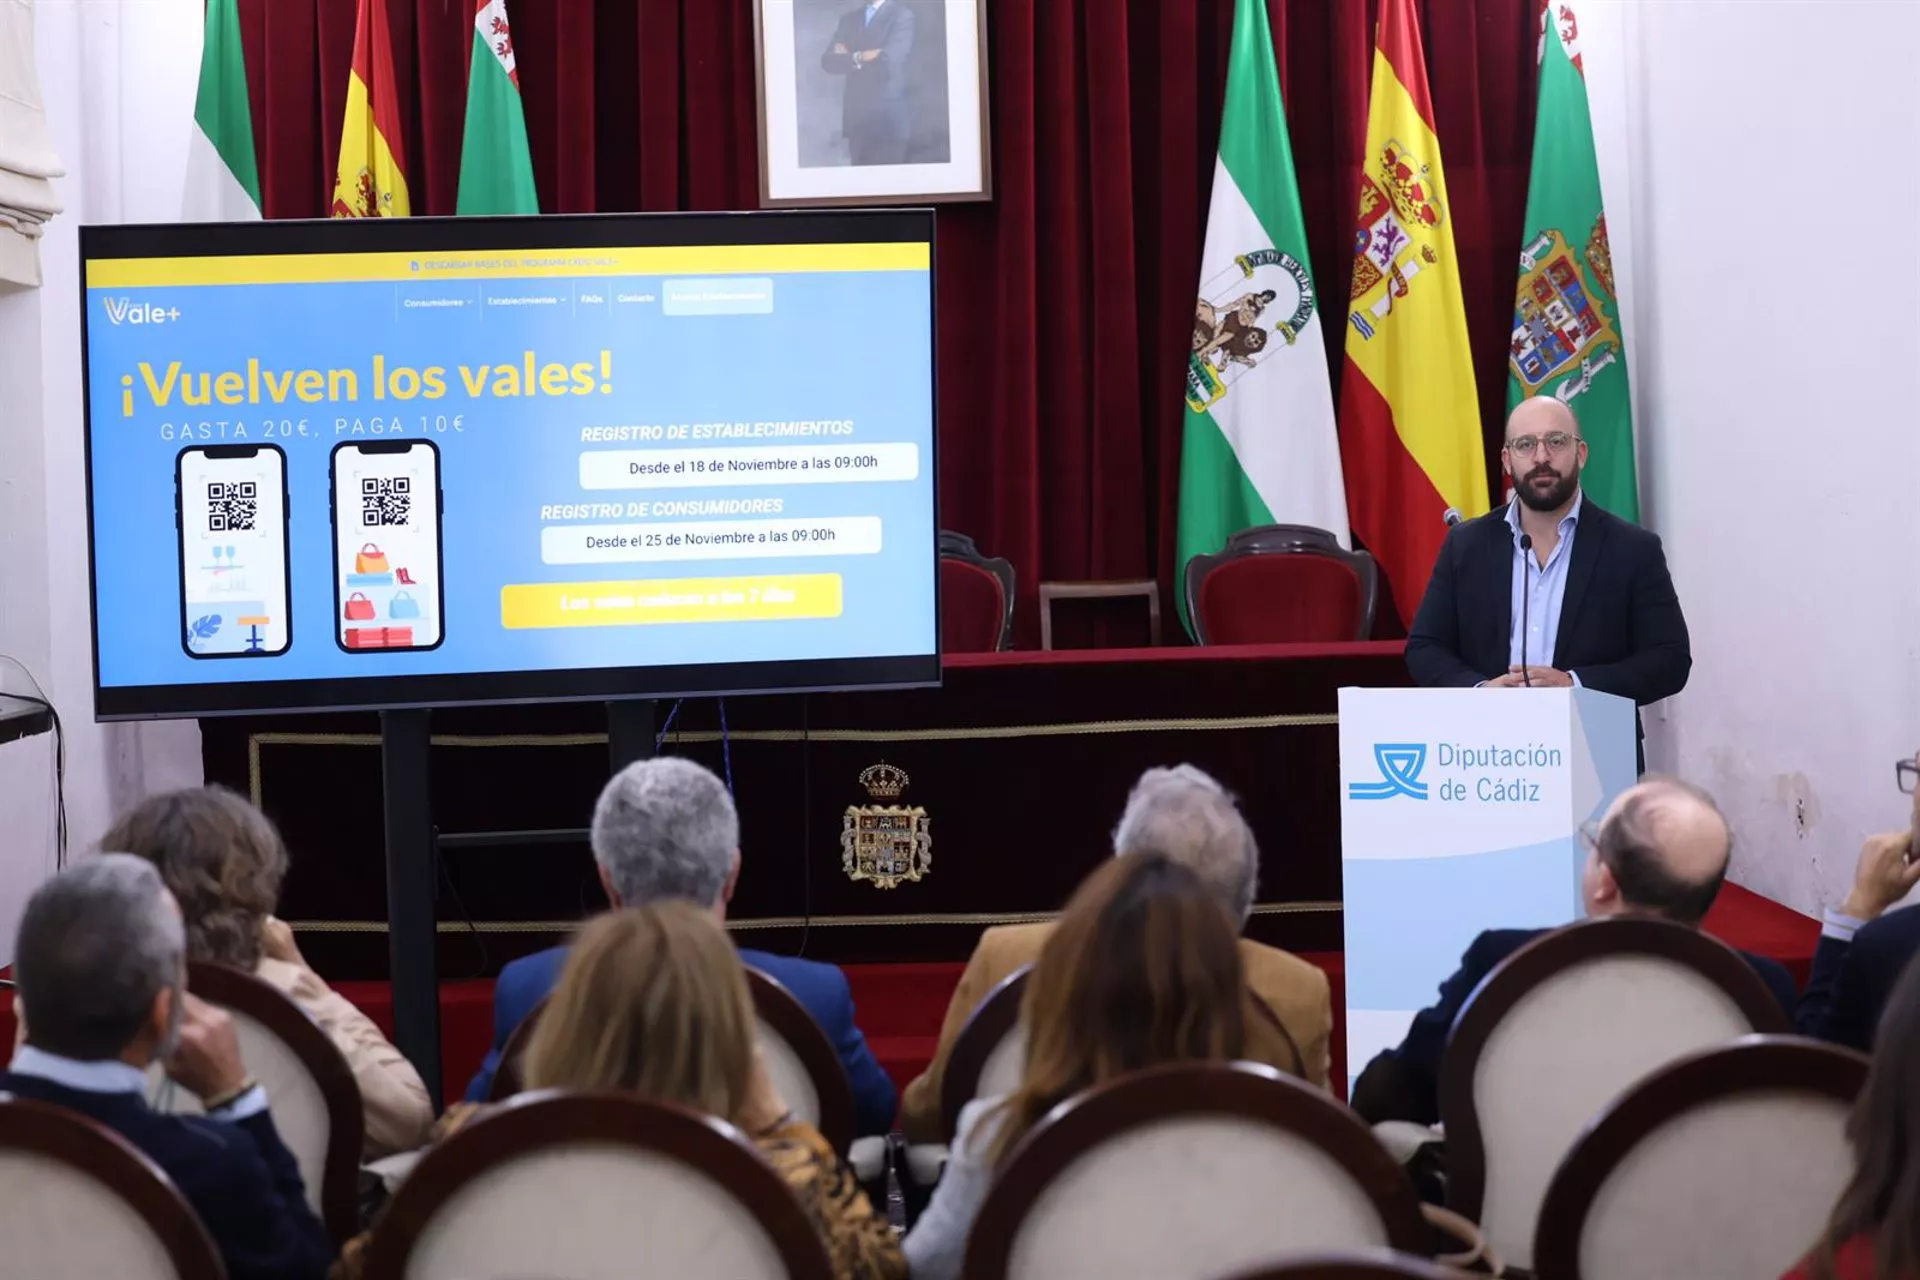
924 139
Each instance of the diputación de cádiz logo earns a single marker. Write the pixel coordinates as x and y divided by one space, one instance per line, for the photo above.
1400 764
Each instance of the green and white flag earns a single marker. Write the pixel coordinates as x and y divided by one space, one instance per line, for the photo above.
1259 445
1567 337
223 177
496 169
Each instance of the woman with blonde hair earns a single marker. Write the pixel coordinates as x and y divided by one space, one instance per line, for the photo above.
1144 968
223 861
653 1001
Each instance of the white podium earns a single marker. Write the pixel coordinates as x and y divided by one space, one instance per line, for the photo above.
1461 811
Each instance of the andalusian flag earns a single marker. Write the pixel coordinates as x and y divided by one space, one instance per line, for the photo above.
370 180
1260 445
223 177
1567 336
1409 414
496 170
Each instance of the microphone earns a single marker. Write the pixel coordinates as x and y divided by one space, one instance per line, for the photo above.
1452 516
1526 591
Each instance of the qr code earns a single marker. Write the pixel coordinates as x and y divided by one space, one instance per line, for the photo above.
231 507
385 502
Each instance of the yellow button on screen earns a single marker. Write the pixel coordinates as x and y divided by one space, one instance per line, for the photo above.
633 604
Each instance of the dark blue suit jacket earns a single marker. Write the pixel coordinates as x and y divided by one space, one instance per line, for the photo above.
1621 629
1850 982
822 988
238 1176
1404 1083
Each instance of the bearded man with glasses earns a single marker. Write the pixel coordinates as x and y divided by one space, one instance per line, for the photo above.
1593 591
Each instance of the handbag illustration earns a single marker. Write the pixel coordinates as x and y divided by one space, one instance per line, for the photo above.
403 606
370 560
359 608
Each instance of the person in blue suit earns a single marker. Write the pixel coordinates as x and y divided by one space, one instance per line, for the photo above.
101 967
667 829
1661 850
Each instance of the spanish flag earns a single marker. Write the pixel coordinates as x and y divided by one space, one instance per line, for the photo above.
371 179
1409 414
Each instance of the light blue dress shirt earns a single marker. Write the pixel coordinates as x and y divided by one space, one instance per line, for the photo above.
113 1076
1545 588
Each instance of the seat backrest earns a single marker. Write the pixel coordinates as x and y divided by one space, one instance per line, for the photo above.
1720 1166
805 1070
801 1060
976 597
310 1088
594 1186
1556 1032
1188 1172
1367 1264
990 1052
1282 583
76 1199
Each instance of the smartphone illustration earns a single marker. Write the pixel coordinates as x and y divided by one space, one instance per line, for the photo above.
388 589
230 507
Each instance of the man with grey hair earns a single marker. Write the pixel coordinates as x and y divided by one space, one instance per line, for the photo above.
666 829
101 970
1185 815
1660 851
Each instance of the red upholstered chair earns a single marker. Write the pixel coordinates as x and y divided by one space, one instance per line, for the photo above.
976 597
1282 583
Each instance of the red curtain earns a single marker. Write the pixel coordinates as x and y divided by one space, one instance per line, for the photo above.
1065 304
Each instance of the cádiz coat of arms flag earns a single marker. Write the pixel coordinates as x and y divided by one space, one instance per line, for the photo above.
1567 337
1259 445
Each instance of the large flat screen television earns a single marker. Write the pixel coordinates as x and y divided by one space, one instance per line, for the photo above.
430 461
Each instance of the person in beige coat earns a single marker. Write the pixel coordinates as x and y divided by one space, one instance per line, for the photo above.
224 861
1183 813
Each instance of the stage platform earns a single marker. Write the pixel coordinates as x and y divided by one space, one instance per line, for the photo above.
1016 770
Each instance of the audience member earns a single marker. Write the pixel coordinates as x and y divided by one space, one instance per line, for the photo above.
666 829
1874 1233
1186 815
1864 947
224 862
101 969
1142 968
1660 850
652 1000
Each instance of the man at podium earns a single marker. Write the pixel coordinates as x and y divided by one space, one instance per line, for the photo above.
1550 590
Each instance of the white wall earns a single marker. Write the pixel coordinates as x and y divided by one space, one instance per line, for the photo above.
118 77
1751 154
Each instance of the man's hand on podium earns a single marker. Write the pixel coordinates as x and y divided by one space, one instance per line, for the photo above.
1538 677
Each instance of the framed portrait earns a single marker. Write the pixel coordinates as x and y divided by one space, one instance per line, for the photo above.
867 102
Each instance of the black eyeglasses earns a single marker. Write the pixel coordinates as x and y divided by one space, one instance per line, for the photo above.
1906 775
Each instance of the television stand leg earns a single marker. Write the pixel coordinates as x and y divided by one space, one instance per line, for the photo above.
629 732
412 931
